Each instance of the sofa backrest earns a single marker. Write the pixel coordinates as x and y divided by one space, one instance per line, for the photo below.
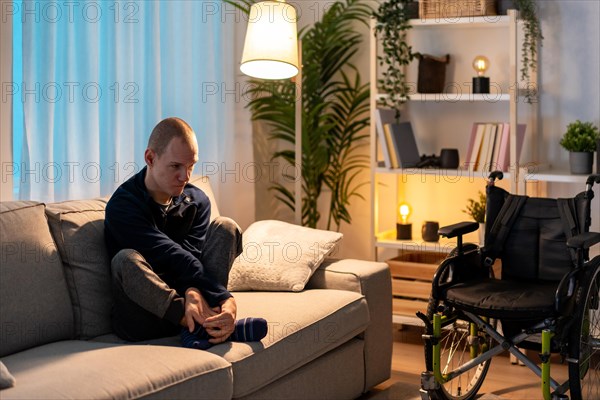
203 182
35 307
71 259
78 230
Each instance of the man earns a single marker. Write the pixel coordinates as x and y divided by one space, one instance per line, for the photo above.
170 263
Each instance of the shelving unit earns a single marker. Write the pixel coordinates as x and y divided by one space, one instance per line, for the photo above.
382 227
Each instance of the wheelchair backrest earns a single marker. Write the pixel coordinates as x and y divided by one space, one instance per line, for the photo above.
533 244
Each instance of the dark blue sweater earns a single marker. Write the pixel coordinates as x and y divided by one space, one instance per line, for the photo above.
171 242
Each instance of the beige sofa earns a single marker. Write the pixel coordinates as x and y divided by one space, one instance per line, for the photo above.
331 340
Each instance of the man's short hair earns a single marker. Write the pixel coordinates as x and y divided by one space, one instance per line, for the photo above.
166 130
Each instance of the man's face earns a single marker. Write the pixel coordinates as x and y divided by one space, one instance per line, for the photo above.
168 173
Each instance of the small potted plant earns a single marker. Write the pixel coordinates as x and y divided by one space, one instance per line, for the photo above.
580 140
476 209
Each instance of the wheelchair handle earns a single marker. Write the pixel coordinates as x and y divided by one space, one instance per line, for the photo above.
493 176
589 183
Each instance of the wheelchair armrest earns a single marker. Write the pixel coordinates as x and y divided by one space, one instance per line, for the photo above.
459 229
584 240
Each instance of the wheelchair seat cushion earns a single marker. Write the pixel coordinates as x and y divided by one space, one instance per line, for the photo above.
506 299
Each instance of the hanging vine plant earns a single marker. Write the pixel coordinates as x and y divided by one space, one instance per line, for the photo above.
532 38
392 25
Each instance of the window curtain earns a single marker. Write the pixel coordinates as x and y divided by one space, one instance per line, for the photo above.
96 78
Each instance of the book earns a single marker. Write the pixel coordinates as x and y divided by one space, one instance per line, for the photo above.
497 142
484 153
390 146
488 161
405 145
470 145
501 157
473 160
384 116
504 156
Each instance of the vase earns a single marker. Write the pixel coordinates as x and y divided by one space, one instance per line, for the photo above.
429 231
581 162
481 233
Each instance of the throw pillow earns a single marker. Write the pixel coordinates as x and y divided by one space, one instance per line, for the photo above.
279 256
6 378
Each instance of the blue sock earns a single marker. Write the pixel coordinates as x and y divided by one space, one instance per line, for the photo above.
246 330
249 330
198 339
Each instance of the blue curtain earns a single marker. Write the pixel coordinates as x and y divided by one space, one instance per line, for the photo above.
98 75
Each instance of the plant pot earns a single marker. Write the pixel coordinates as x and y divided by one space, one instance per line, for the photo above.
502 6
581 162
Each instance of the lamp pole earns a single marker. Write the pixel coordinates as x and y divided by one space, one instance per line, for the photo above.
298 141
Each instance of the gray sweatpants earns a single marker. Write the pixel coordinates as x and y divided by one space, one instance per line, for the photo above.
144 306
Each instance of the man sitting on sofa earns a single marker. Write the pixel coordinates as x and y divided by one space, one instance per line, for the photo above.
170 263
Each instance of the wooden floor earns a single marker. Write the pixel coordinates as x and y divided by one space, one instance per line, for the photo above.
504 379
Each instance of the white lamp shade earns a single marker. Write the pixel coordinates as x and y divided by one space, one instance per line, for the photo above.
271 46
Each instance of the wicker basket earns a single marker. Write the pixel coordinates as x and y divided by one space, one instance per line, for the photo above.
441 9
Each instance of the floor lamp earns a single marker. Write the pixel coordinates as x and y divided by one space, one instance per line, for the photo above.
272 51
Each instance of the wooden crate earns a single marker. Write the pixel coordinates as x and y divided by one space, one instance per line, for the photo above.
412 273
442 9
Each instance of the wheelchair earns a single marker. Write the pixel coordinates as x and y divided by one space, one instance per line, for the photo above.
545 299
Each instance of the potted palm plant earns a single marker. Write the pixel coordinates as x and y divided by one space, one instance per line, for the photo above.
580 140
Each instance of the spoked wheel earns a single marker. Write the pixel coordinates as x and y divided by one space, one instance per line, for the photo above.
584 344
456 350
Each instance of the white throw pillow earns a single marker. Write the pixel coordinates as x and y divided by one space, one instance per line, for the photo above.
279 256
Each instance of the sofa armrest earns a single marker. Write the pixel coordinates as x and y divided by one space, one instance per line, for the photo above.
372 280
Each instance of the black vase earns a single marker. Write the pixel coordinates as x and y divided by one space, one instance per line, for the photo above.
429 231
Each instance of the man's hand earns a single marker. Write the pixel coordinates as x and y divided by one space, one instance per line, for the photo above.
196 309
221 325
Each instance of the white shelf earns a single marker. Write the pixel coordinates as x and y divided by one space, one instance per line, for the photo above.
455 97
439 172
502 106
490 21
553 175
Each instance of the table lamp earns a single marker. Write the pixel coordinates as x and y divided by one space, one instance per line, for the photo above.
404 228
481 83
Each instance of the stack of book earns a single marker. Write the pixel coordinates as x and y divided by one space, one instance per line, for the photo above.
489 146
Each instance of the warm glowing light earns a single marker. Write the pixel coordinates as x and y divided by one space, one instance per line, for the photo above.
271 46
481 64
404 211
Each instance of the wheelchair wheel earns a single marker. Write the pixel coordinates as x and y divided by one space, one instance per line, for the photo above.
584 344
455 351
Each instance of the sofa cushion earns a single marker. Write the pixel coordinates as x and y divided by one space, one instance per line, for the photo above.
280 256
34 301
91 370
6 378
78 229
302 327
